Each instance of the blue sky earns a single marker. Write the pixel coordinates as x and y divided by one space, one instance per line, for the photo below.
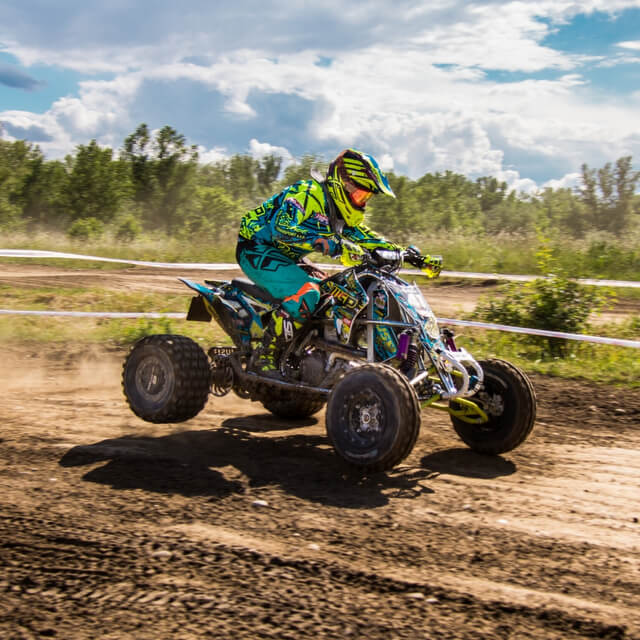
524 91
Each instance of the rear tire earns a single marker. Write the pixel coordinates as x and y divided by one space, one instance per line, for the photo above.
166 378
373 417
293 408
508 398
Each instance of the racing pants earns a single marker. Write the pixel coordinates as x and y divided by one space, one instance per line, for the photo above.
281 277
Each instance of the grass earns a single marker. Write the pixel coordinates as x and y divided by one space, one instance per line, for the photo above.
148 247
596 256
109 332
89 299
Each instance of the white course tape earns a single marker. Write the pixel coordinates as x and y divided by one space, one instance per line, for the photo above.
92 314
21 253
480 325
543 332
225 266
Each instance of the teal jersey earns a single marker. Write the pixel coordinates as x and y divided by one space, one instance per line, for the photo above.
296 222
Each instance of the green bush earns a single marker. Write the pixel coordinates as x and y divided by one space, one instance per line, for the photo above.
86 229
552 303
128 228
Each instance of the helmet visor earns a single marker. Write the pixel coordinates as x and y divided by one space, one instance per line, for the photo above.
359 197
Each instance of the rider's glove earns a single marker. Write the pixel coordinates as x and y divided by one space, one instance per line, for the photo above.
352 253
327 246
429 265
383 257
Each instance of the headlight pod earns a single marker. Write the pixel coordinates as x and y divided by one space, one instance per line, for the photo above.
431 327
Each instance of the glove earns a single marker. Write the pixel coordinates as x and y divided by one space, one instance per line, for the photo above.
352 254
429 265
327 246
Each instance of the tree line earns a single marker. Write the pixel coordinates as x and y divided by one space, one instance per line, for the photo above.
155 182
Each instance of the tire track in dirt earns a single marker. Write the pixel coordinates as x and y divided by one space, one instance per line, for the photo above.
152 568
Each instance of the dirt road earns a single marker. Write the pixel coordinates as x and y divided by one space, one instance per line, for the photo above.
240 525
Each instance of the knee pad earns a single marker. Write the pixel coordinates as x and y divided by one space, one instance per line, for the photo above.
301 304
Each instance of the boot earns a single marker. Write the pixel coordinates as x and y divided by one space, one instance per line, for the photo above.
279 331
265 359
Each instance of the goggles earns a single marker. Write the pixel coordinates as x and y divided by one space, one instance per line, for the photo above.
359 197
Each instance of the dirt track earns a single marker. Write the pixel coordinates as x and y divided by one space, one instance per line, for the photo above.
240 525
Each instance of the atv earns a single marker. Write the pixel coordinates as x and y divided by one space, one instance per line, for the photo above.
372 351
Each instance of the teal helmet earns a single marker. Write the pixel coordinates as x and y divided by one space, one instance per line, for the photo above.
352 178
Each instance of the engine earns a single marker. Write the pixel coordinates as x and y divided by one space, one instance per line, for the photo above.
321 369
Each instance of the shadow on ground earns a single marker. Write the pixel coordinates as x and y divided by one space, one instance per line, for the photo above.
468 463
187 463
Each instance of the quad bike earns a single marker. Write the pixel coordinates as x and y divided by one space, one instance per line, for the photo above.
371 351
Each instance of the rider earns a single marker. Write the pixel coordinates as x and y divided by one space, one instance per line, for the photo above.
321 214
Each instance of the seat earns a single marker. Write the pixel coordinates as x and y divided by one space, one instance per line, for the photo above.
244 284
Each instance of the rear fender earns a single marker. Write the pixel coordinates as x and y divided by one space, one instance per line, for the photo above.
207 292
230 308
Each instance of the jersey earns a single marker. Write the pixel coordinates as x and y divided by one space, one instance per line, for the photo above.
296 221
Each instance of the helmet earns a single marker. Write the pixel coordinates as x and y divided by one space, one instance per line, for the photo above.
352 178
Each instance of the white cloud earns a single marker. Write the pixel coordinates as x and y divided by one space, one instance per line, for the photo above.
212 156
413 83
386 162
568 181
259 150
517 183
635 45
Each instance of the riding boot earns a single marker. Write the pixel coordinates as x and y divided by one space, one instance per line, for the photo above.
279 331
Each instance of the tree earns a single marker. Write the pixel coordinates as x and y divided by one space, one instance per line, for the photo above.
97 185
302 170
561 209
490 192
213 214
174 169
162 171
626 181
136 152
608 194
448 201
13 161
43 193
240 174
397 218
267 172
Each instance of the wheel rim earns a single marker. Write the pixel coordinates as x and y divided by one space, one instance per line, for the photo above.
365 419
152 379
492 400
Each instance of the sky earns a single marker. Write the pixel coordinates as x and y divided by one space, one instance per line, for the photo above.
525 91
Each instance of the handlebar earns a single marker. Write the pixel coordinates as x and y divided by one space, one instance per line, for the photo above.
391 260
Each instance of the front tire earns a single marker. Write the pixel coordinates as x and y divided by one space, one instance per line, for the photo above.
166 378
508 398
373 417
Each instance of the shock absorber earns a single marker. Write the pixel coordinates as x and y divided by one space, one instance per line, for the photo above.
411 360
407 352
